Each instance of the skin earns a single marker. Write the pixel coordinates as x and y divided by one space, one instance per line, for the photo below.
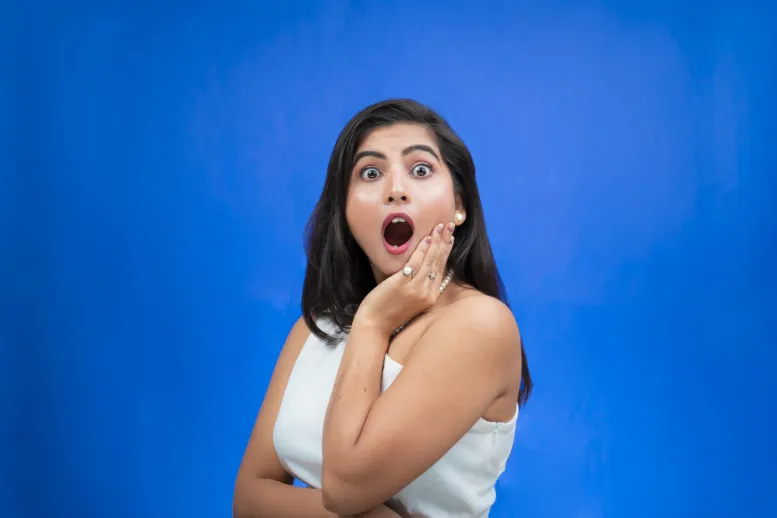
461 360
263 488
400 170
461 355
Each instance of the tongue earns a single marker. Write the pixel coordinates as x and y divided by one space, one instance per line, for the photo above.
398 234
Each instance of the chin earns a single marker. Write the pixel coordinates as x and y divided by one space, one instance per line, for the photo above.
388 272
388 266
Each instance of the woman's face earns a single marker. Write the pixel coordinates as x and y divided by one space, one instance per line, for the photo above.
400 188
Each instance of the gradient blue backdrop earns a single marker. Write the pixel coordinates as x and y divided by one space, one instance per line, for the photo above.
160 162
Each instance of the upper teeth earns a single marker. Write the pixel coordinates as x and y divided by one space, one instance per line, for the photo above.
398 220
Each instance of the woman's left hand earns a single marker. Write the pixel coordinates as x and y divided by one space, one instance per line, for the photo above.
399 298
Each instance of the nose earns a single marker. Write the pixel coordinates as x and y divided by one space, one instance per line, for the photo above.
396 189
397 196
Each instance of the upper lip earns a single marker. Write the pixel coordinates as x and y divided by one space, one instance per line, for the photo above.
393 215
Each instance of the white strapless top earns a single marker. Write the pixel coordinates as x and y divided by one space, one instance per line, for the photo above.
459 485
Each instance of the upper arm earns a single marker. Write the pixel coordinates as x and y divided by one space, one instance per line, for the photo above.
260 459
461 365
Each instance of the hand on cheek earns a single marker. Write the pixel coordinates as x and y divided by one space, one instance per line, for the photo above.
412 290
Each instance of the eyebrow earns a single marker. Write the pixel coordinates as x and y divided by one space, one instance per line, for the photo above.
405 152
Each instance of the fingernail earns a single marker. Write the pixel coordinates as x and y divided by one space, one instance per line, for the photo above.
451 226
427 240
438 228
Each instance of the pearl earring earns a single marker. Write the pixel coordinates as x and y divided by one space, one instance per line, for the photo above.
459 218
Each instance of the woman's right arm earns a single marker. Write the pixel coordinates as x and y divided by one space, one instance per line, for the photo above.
263 488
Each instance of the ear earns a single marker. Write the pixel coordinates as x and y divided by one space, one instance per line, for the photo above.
460 215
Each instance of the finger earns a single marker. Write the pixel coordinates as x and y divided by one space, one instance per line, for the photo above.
417 258
437 271
427 270
444 252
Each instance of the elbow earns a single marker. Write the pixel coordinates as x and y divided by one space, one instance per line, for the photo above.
338 503
241 505
248 498
344 498
335 505
335 497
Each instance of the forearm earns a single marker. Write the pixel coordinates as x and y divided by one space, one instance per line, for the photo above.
259 498
356 389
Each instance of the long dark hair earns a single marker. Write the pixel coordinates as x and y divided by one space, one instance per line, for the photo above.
339 276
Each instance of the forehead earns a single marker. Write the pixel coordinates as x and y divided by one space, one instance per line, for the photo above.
397 137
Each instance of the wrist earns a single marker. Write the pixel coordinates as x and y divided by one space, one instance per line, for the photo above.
372 325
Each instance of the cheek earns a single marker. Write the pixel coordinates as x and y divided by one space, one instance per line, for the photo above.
364 195
436 204
437 198
360 213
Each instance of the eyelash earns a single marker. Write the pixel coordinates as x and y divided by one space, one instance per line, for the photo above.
424 164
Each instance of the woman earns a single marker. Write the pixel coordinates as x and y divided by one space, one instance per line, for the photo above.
396 390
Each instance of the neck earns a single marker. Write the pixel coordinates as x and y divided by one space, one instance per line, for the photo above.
379 276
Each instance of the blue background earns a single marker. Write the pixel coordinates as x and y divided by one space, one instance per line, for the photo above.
159 162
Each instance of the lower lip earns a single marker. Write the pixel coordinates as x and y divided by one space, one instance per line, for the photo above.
396 250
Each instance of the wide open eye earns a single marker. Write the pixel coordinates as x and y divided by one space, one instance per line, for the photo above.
370 173
421 170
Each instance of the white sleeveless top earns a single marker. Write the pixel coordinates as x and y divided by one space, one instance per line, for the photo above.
460 484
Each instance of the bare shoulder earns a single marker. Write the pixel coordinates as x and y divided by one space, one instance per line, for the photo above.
472 348
476 332
487 318
482 333
485 308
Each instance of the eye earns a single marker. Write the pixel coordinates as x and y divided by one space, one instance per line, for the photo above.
370 173
421 170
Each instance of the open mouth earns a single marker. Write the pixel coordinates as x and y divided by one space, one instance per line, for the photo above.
397 232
